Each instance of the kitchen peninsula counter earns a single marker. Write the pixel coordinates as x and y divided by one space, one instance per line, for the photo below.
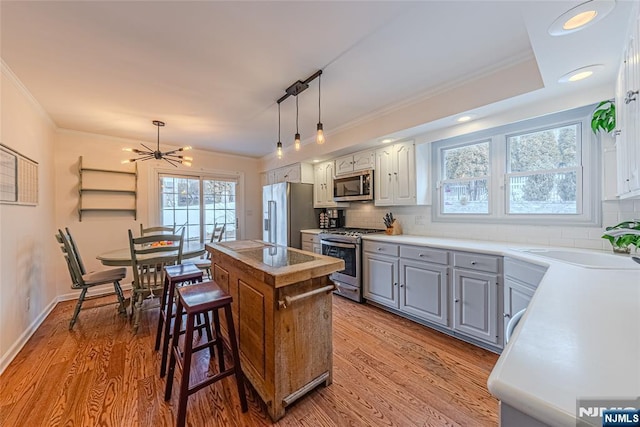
282 310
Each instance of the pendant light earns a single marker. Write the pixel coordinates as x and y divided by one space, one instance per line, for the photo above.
320 133
279 144
294 90
297 137
170 156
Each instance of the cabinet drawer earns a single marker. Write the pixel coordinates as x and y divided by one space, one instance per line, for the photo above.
309 238
381 248
525 272
476 262
437 256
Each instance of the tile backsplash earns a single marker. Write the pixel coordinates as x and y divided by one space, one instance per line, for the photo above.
416 220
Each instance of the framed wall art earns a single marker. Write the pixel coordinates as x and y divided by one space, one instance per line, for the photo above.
18 178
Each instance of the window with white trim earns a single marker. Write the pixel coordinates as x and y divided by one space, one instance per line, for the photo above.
538 171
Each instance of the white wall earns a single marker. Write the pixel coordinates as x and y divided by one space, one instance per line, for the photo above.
27 244
100 232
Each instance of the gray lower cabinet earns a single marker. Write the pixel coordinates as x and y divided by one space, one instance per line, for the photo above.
458 293
381 279
310 242
521 280
424 290
475 305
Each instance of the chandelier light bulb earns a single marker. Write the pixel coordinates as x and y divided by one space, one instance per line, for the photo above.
279 150
186 162
297 142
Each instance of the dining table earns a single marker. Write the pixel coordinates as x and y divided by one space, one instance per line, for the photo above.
122 257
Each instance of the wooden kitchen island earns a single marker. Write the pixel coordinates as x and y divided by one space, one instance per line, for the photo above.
282 312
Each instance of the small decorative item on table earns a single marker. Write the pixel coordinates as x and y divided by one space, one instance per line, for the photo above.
162 243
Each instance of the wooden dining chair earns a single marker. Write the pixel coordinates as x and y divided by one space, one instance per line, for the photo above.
149 255
159 229
81 279
216 236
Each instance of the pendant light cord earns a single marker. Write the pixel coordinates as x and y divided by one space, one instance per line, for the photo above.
278 122
319 94
297 114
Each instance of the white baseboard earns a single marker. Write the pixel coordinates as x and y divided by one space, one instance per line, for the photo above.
8 357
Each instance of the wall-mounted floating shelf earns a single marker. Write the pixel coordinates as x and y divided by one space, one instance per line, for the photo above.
107 190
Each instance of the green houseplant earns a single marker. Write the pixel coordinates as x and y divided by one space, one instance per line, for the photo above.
604 117
621 242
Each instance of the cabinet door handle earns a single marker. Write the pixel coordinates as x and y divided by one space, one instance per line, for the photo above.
421 255
473 263
456 300
402 286
506 315
379 249
631 96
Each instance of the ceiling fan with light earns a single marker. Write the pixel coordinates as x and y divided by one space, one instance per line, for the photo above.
170 156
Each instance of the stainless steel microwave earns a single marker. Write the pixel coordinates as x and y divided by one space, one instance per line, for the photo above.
353 186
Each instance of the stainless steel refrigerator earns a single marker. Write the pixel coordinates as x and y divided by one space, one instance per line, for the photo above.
287 208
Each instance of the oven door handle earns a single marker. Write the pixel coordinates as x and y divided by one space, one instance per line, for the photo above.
339 245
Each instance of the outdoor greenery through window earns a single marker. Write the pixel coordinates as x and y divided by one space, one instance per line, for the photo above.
466 171
543 169
525 172
197 204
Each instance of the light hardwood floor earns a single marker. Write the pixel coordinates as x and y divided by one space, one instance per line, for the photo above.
387 372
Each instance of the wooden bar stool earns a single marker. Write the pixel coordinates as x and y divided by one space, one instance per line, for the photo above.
202 298
174 276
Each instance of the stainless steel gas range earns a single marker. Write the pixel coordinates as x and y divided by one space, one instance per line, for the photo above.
346 244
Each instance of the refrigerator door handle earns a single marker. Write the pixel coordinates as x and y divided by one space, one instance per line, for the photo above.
273 229
271 220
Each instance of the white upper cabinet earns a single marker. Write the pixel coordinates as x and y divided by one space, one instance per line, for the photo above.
297 172
355 162
628 117
323 187
395 175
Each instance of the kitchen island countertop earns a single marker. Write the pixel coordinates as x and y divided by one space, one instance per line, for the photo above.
278 265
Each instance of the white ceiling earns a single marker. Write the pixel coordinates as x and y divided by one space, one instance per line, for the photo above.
212 70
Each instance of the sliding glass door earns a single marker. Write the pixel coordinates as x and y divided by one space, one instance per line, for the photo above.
197 204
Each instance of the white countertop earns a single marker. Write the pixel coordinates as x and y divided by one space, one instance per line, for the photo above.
312 230
579 338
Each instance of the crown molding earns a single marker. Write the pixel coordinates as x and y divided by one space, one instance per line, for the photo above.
6 71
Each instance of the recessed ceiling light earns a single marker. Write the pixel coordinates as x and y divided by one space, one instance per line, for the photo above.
316 161
580 73
581 16
387 140
463 119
